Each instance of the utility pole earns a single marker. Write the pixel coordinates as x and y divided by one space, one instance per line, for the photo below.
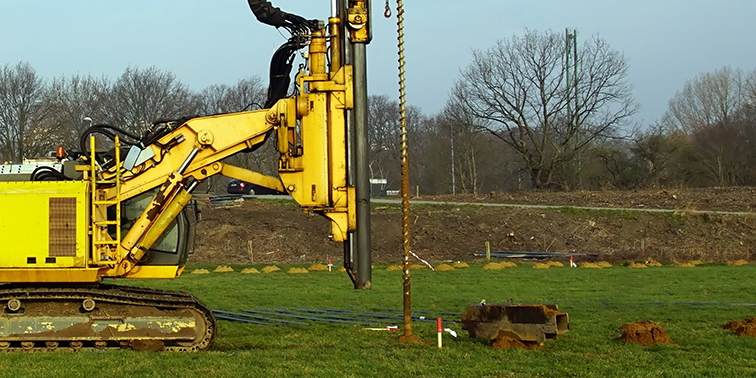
572 121
451 133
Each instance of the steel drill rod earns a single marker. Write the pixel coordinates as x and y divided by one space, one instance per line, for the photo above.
287 311
233 319
304 317
359 316
258 317
378 315
424 312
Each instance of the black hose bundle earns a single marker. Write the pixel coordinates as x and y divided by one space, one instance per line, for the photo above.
48 174
270 15
281 63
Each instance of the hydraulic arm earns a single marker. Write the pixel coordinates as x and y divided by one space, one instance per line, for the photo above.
310 135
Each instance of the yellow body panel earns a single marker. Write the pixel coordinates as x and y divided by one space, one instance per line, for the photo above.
49 275
43 225
155 271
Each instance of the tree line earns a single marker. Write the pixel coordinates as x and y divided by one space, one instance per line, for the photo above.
518 117
516 120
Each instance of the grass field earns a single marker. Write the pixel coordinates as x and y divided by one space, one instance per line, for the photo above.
598 302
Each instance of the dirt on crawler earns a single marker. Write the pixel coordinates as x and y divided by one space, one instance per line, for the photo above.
268 232
746 327
644 332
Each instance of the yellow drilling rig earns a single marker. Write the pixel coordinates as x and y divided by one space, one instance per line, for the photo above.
120 209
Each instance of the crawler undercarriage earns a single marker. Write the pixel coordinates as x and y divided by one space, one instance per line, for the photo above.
102 317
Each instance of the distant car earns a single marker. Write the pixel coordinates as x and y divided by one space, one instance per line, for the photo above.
240 187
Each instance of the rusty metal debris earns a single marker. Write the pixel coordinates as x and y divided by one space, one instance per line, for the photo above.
533 323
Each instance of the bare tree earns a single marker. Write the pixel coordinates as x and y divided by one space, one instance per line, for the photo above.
24 131
708 99
709 109
142 96
383 136
467 138
246 94
517 91
73 99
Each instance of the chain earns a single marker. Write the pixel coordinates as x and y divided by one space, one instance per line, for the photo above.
387 13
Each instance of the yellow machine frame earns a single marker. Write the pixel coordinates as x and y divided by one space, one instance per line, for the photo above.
311 134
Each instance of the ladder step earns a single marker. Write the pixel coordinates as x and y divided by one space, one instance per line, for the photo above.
105 242
104 223
106 202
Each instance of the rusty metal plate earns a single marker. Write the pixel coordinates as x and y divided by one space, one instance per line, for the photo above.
520 322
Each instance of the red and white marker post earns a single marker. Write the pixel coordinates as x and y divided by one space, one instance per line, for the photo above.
440 332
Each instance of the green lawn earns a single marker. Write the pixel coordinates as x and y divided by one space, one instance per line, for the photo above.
598 302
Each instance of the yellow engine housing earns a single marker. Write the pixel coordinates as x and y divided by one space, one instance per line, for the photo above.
44 232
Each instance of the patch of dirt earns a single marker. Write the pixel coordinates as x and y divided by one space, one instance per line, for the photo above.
297 271
744 328
737 263
541 266
644 332
685 265
270 269
460 264
720 199
493 266
267 232
504 341
444 267
317 268
557 264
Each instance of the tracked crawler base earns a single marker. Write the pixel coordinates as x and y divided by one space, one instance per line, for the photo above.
102 317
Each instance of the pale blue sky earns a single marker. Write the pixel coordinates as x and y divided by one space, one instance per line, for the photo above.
220 41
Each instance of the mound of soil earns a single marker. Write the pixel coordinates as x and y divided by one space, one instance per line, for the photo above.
644 332
444 267
503 341
685 265
744 328
541 266
737 263
269 232
270 269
